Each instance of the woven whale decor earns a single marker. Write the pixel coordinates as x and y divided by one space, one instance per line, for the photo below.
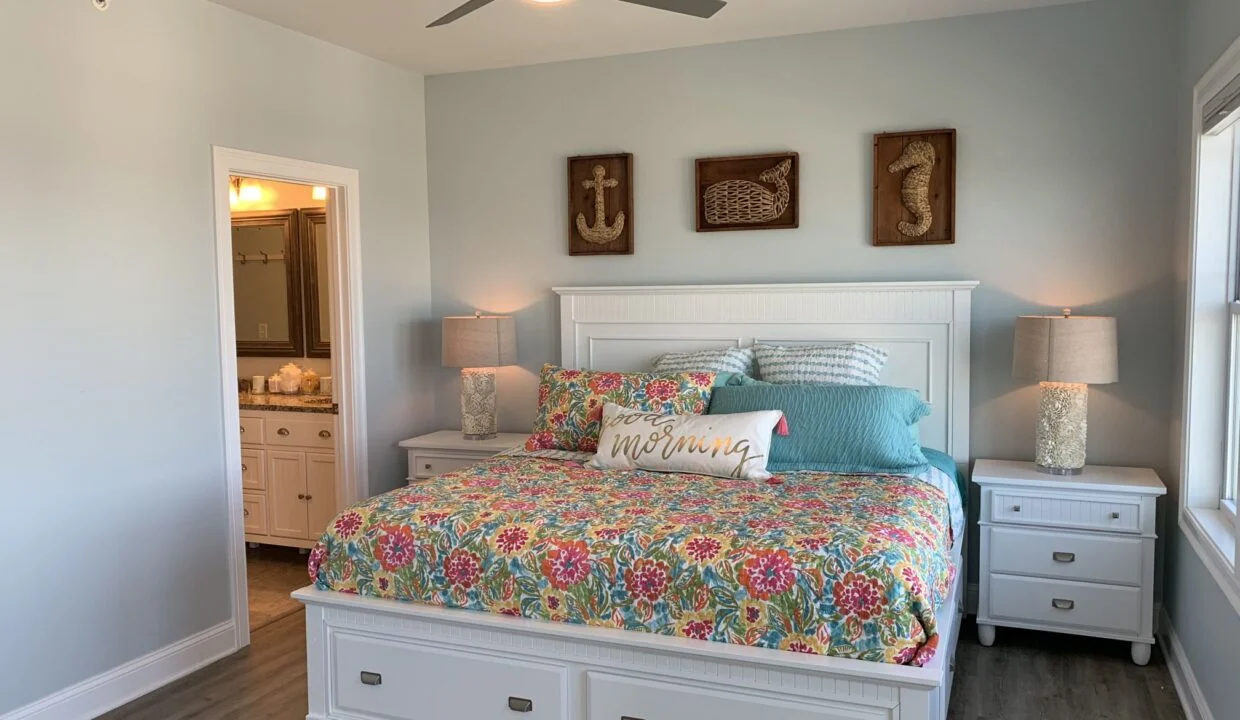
742 201
756 192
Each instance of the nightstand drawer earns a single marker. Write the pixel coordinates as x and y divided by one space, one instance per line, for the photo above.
1072 556
426 465
1059 602
1091 513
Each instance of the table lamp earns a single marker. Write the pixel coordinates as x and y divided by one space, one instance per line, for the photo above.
478 345
1065 354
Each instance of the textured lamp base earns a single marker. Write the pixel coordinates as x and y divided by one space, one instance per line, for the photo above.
478 404
1062 418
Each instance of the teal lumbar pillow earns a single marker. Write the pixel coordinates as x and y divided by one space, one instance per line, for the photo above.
836 428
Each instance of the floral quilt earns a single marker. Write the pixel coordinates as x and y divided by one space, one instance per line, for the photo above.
849 566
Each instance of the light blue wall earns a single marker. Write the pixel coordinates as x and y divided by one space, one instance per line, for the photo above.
1066 119
112 504
1207 625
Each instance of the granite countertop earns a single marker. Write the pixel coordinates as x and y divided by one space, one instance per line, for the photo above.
289 403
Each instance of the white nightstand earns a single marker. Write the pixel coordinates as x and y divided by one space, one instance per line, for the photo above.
1071 554
448 450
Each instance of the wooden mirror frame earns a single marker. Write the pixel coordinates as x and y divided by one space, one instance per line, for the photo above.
315 347
293 347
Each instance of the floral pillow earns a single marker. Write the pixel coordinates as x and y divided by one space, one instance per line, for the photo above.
570 402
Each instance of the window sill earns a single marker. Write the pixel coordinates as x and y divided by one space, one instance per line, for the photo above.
1211 533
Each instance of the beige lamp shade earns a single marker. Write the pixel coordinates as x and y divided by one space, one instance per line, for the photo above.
482 341
1066 349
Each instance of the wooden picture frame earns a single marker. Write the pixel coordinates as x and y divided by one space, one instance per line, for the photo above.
901 159
600 204
287 222
748 192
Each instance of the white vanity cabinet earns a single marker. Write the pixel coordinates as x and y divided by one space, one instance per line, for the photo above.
288 471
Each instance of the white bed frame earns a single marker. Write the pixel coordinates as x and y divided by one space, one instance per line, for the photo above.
435 663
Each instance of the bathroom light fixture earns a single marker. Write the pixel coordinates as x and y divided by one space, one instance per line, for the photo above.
319 193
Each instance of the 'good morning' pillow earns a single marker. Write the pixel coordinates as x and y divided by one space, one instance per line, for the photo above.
730 446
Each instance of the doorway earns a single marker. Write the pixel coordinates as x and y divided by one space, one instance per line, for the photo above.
289 291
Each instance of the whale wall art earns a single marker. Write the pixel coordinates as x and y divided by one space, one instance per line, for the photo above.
915 188
600 205
754 192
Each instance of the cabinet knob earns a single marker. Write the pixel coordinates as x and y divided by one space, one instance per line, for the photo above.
309 497
244 468
301 496
1062 604
283 432
521 705
245 512
325 433
242 429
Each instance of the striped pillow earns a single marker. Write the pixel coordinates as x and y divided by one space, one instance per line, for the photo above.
717 360
844 364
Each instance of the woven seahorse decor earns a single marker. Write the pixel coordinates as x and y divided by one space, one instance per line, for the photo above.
915 188
747 193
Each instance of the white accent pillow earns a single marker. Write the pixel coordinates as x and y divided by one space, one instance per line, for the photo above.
730 446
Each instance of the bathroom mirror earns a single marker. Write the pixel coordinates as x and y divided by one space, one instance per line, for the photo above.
266 284
317 269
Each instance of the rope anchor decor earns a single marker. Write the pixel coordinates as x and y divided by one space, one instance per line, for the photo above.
734 202
601 233
919 159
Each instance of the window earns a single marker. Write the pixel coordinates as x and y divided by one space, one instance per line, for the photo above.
1211 470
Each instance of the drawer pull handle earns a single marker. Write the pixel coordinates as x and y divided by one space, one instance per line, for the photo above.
1062 604
1063 557
245 512
325 433
427 466
301 496
1015 508
309 496
1115 516
282 432
517 704
629 717
244 468
371 678
242 429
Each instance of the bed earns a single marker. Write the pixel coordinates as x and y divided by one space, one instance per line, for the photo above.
825 597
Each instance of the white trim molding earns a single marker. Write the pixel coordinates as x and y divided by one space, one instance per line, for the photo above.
109 690
348 367
1211 387
1186 687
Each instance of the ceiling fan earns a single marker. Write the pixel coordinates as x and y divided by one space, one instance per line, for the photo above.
696 8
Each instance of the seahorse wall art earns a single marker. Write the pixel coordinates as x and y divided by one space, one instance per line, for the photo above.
918 159
741 202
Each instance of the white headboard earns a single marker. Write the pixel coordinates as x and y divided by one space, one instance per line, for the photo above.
923 325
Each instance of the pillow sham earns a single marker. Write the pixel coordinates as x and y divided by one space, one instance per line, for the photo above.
843 364
836 428
728 446
570 402
724 359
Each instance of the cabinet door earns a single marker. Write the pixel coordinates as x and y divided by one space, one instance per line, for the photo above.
320 492
286 493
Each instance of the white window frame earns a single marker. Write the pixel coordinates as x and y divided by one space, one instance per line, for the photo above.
1211 439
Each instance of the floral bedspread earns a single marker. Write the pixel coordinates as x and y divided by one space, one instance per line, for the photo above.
849 566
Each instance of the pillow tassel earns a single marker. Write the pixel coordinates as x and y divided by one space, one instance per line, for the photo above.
781 429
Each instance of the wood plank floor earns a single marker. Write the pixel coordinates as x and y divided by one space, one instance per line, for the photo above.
1025 676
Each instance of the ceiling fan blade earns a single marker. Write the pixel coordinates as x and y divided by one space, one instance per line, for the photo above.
696 8
460 12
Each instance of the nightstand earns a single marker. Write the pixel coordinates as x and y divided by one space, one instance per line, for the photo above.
448 450
1068 553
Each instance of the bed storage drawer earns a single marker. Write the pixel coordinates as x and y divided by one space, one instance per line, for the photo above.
1112 559
388 679
1110 608
1087 513
613 697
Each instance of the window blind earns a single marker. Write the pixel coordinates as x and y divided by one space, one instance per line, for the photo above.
1223 109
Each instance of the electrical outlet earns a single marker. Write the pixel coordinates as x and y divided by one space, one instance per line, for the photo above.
262 331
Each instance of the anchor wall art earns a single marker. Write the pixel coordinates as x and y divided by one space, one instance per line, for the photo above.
754 192
915 188
600 205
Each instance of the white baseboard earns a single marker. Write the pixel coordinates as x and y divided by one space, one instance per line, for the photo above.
1191 697
109 690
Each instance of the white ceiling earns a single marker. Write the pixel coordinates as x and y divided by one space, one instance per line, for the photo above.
520 32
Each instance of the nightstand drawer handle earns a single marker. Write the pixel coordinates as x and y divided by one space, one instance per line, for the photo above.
1115 516
371 678
1063 557
1015 508
521 705
428 466
1062 604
